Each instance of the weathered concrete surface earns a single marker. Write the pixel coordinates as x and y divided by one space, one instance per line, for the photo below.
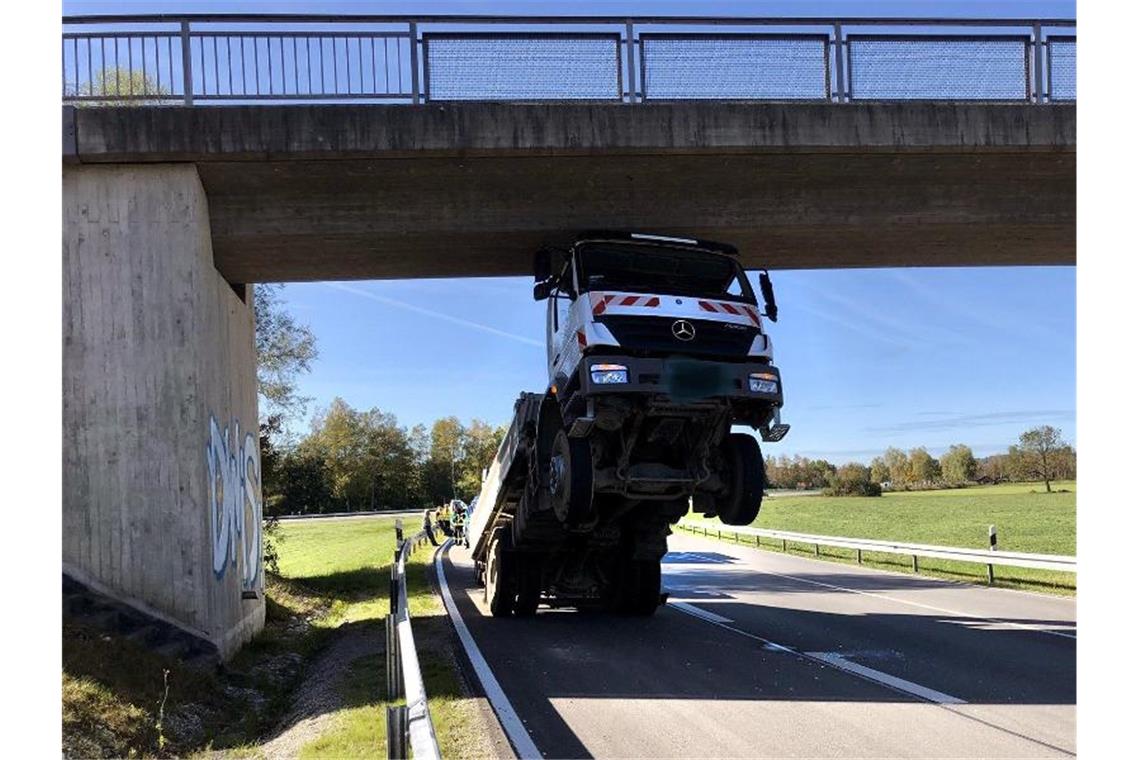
158 354
342 192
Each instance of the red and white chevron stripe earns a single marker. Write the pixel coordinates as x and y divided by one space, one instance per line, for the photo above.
601 301
735 309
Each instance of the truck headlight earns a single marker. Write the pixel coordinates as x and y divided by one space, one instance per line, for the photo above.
763 382
609 374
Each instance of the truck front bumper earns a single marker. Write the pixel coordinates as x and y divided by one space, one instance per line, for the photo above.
682 378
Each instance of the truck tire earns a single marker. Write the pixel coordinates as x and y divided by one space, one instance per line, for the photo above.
529 580
744 473
642 587
499 591
572 479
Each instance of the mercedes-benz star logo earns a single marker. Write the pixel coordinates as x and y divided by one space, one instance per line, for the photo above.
683 330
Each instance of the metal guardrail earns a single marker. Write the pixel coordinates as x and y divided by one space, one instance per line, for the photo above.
989 557
244 58
408 724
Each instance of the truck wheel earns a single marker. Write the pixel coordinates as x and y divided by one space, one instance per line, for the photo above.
643 587
529 585
571 479
499 589
744 473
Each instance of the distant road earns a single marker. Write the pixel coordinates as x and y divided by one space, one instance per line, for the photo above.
760 654
354 515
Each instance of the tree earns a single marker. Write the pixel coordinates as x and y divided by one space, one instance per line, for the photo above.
897 466
923 467
285 349
1040 454
853 479
116 81
958 464
879 470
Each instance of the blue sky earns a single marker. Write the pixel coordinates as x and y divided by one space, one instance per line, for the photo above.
870 358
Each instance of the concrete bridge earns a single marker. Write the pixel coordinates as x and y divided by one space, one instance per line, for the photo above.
169 213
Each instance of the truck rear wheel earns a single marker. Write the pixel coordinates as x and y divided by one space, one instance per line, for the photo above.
744 473
499 591
529 580
642 587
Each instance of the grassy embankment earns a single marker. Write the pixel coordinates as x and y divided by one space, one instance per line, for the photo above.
334 579
1027 520
353 557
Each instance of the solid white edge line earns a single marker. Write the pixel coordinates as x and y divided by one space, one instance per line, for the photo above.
869 570
512 726
837 660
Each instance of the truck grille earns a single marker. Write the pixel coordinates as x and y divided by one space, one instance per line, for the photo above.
655 334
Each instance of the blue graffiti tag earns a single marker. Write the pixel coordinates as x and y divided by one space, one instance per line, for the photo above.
234 493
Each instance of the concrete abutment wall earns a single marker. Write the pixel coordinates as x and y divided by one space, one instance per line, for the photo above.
161 471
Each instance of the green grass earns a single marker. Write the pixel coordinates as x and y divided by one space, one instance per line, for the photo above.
332 573
349 560
1027 519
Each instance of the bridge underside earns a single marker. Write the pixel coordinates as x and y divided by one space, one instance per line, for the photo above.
354 192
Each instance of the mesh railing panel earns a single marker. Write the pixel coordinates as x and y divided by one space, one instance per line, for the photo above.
522 67
747 67
938 68
1062 68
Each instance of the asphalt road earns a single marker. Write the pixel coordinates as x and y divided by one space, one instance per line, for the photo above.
767 655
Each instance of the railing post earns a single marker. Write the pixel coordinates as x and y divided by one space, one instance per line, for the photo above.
1038 66
397 721
413 43
840 70
629 57
187 70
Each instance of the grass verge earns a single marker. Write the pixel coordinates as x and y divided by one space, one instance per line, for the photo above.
1027 519
121 699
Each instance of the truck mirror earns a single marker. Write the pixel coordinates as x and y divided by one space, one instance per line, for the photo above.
542 289
542 267
770 309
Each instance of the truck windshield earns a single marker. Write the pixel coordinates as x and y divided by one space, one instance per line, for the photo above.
660 270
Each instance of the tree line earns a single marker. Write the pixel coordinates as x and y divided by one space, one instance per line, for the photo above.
1039 455
364 460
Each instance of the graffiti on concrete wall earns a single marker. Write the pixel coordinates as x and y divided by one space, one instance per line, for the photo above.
233 466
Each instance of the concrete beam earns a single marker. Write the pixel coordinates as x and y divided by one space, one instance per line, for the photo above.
345 192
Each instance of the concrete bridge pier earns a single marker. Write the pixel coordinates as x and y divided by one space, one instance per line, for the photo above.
161 471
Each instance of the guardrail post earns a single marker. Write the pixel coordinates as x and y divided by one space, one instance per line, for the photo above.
914 562
394 585
785 542
817 550
758 541
993 548
392 658
859 556
399 531
1038 66
413 43
187 70
397 720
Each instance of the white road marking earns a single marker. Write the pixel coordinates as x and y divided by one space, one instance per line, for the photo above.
513 727
835 659
698 612
1010 623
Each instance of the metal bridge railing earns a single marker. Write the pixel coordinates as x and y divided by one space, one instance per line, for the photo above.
166 59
